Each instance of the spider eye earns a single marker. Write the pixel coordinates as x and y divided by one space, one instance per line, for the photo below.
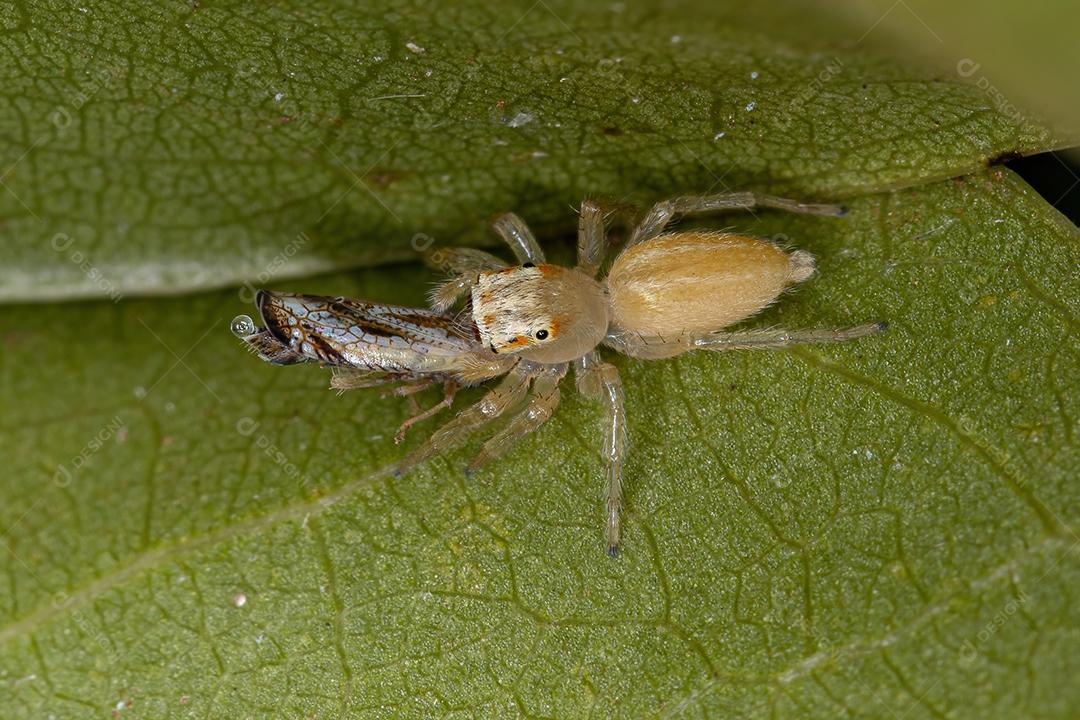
529 265
541 334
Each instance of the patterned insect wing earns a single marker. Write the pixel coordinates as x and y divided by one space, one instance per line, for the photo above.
342 332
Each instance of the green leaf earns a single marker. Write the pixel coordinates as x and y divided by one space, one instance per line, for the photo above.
160 147
875 529
1013 52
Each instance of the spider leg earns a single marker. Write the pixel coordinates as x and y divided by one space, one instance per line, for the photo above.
592 236
541 406
513 230
780 338
586 378
463 264
592 232
597 378
498 400
655 348
450 388
662 213
462 260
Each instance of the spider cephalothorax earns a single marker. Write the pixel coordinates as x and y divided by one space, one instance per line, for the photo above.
665 294
544 313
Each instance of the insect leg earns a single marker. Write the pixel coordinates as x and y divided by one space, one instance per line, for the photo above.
409 389
542 404
343 378
498 400
513 230
662 213
449 391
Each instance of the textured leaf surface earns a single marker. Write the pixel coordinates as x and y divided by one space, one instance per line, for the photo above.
156 147
881 529
1017 54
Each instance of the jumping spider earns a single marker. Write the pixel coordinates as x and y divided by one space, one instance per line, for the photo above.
666 293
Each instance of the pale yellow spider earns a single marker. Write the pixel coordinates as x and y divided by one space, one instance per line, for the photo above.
665 294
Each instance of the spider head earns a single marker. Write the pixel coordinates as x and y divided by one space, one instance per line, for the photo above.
544 313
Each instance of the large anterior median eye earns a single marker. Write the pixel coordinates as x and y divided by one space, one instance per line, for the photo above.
541 334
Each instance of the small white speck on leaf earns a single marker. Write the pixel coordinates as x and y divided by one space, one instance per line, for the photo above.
522 118
750 106
719 135
754 75
278 96
140 392
239 600
676 38
414 48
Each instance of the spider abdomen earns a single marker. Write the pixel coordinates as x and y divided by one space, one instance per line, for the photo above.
696 282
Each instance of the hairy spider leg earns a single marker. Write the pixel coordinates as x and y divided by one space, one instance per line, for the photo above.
664 212
655 347
542 403
497 401
513 230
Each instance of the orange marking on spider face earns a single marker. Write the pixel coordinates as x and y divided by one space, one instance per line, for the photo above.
554 329
488 319
549 271
518 341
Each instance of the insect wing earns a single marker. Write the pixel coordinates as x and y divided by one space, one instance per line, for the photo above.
343 332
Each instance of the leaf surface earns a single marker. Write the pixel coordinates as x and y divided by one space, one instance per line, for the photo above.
884 527
160 147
